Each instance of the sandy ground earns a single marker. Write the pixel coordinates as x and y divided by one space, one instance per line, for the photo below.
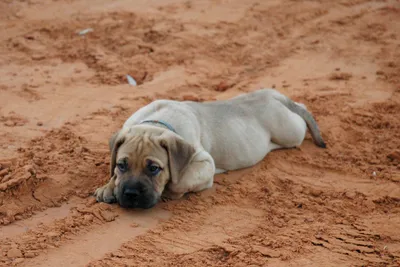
62 95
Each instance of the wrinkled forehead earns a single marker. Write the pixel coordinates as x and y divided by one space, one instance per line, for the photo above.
140 147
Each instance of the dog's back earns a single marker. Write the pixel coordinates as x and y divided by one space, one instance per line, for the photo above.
261 104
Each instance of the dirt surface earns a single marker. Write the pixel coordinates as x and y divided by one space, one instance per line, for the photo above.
62 95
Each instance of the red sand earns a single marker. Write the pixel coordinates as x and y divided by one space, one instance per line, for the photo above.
62 95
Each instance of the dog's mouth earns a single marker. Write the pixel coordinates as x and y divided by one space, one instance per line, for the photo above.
137 200
137 204
136 194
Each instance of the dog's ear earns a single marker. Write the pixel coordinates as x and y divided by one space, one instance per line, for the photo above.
180 154
116 140
112 140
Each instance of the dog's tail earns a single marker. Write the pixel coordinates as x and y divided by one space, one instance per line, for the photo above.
301 110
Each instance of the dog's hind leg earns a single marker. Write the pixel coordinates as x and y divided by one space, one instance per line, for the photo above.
272 146
301 110
218 171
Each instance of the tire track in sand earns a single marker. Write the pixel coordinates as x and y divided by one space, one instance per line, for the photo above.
102 240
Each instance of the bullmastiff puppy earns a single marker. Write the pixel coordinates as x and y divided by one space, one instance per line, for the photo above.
169 148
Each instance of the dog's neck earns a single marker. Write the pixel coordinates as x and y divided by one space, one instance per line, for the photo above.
160 123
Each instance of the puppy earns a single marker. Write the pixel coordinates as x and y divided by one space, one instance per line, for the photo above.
169 148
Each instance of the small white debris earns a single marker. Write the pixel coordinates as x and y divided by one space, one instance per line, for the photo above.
374 174
131 81
85 31
385 248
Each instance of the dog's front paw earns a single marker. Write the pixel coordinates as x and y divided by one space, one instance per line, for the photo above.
105 194
168 195
165 199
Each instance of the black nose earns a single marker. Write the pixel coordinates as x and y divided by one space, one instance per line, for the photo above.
132 194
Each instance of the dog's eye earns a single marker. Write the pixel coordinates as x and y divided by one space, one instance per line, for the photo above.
153 169
122 166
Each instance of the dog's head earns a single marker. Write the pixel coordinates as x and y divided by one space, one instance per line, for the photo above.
144 160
